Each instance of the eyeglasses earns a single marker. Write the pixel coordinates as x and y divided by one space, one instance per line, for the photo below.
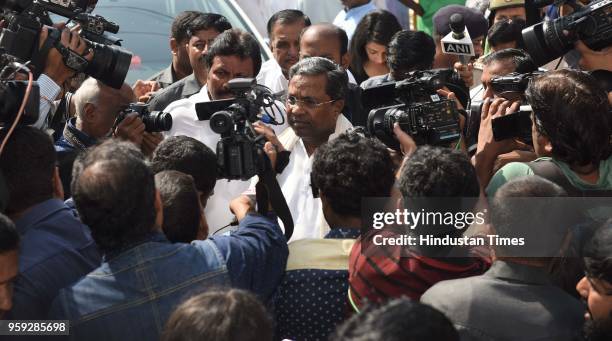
307 103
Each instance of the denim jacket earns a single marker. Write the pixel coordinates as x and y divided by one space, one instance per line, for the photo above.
132 294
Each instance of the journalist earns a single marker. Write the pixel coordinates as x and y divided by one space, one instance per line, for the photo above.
143 276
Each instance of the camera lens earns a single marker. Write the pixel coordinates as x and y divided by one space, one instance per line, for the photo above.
221 122
110 64
157 121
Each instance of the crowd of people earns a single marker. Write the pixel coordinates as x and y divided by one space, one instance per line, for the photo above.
132 234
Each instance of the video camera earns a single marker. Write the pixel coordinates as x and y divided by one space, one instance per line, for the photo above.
547 40
154 122
417 108
25 19
240 154
13 93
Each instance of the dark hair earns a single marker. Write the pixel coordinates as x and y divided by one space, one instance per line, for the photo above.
115 196
410 51
207 21
337 79
286 17
520 205
28 163
180 25
520 59
338 32
232 315
378 27
597 253
190 156
349 168
9 238
507 31
397 320
235 42
182 211
573 111
438 172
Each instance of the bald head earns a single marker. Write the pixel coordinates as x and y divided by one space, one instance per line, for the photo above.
97 105
327 41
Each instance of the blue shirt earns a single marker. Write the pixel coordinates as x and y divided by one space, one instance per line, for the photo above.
67 150
311 302
56 250
348 20
132 294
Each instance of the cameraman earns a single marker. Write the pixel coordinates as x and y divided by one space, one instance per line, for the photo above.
571 135
55 72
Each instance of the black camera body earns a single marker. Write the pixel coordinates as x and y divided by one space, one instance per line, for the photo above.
25 20
12 94
592 24
418 109
240 154
155 121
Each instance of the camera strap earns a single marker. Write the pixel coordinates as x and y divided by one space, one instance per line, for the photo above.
268 190
71 59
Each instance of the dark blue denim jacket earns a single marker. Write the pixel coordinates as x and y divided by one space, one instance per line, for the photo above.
132 294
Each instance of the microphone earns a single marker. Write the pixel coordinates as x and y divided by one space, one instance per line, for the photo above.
458 41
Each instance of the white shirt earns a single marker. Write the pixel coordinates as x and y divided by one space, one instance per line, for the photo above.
185 122
348 20
307 212
271 75
319 10
48 93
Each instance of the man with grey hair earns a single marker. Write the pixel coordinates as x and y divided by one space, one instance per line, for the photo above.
97 106
315 98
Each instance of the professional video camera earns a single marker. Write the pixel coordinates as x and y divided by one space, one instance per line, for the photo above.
154 122
549 40
13 94
240 152
25 19
417 108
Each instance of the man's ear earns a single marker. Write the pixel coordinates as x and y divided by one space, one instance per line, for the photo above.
174 46
159 211
58 188
89 112
338 106
547 145
346 61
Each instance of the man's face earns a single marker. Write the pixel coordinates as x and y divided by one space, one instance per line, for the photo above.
477 42
494 69
285 44
197 47
510 13
310 119
224 69
313 45
110 103
8 271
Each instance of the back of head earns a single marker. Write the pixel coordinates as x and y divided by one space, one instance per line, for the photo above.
207 21
28 165
398 320
180 25
9 238
182 211
189 156
597 253
525 208
573 111
327 31
507 31
286 17
438 172
410 51
519 59
235 42
349 168
232 315
115 195
337 79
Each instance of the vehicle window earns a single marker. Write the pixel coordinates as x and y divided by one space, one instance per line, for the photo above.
145 28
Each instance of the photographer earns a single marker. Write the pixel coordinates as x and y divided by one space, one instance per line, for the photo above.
144 276
97 106
55 72
571 128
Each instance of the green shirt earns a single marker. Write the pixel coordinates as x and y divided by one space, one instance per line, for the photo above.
430 7
517 169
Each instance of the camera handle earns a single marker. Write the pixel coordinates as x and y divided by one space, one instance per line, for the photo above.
268 189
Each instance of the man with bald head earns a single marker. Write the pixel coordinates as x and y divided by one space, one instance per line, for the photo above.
97 106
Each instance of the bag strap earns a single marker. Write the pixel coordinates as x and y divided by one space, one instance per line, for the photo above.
550 171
